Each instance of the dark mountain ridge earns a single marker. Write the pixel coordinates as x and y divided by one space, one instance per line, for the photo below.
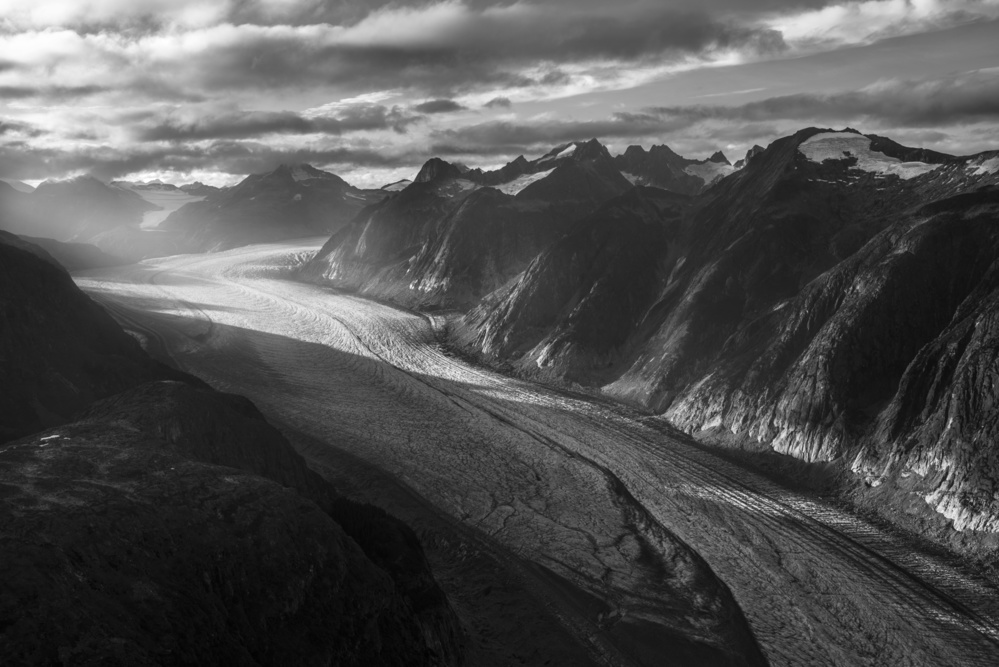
661 167
292 201
453 236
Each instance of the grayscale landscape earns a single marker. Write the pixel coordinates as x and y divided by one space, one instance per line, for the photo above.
499 333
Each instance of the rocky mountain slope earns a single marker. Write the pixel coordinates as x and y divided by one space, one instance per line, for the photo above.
169 523
832 301
660 167
583 295
290 202
454 235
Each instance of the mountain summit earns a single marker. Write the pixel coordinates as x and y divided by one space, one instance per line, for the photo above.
289 202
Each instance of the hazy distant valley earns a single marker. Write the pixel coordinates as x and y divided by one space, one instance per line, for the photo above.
616 407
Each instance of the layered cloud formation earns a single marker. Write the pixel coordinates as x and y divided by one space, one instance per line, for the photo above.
189 88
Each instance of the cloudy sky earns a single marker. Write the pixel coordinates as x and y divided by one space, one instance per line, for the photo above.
215 89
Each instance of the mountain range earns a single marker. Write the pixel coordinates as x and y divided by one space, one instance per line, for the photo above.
290 202
833 299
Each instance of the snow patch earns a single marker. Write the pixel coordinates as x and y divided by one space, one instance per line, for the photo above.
709 172
300 174
631 178
398 185
516 185
841 145
989 166
568 151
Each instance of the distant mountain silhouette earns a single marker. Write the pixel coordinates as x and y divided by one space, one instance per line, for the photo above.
290 202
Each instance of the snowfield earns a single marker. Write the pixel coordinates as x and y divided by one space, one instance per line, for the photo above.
568 151
516 185
989 166
841 145
709 172
600 494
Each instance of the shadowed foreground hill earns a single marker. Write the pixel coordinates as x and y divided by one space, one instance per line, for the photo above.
59 351
170 524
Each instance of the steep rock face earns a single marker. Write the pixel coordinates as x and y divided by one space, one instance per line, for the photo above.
937 436
370 254
489 237
750 154
437 169
589 177
289 202
882 361
59 350
660 167
580 300
452 235
754 241
835 354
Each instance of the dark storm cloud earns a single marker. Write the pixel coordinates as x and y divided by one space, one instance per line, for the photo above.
248 124
50 92
938 103
499 102
969 98
348 12
439 106
450 47
16 127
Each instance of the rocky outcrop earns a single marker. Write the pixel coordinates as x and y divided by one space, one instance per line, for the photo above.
660 167
437 169
750 154
292 201
719 158
580 300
